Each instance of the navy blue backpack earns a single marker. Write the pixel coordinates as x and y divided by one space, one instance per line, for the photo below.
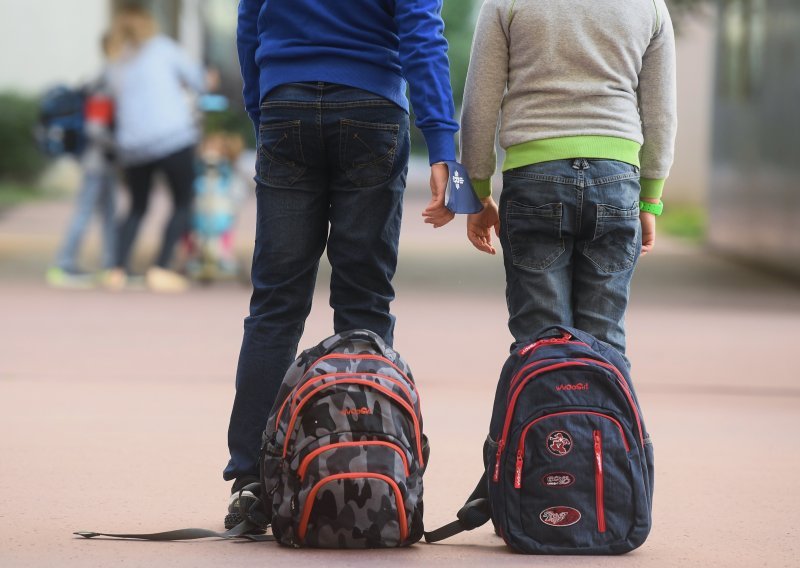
569 464
61 128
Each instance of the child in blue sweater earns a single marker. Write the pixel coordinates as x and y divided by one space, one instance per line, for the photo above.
325 84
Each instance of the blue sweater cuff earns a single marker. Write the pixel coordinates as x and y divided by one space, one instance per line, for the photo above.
255 117
441 145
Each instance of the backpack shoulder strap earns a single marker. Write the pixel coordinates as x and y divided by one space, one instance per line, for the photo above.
475 513
243 529
252 528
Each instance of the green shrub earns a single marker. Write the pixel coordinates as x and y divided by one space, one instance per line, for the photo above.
20 159
231 121
686 221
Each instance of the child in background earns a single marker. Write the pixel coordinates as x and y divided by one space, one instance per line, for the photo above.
219 192
587 93
98 189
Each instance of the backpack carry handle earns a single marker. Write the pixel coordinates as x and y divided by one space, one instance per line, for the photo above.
363 335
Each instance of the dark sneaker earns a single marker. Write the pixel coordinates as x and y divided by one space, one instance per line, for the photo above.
239 497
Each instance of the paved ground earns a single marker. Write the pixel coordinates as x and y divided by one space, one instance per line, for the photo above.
113 407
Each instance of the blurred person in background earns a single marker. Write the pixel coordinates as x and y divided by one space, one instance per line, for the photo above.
325 84
155 132
587 91
99 184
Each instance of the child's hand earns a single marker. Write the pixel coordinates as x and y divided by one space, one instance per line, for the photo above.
436 213
479 226
648 221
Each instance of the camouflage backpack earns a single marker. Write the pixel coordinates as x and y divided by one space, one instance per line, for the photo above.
343 452
342 457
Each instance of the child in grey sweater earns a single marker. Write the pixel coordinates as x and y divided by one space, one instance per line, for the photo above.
586 91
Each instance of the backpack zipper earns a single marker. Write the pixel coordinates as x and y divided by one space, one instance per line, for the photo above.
524 433
301 471
565 338
398 496
625 389
359 356
356 381
510 410
294 394
583 362
598 482
362 356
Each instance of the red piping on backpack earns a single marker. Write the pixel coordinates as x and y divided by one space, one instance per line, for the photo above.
524 433
301 471
293 396
361 356
625 388
510 410
380 388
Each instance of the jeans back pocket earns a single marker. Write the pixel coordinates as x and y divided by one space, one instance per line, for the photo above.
280 153
616 238
367 151
534 234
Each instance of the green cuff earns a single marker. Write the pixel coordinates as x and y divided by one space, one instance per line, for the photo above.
482 187
651 188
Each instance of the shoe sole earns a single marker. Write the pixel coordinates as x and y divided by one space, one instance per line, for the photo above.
234 517
231 520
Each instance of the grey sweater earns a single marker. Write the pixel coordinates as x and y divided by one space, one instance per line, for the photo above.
573 79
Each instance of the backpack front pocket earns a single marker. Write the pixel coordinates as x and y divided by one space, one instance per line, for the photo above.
575 483
353 510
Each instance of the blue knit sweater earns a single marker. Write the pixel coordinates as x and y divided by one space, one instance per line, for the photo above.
374 45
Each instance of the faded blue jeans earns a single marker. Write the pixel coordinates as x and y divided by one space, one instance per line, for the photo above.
97 193
331 172
571 238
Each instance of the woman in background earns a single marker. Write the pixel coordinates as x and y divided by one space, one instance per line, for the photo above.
155 132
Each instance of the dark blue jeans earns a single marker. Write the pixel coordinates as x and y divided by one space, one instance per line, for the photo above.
571 238
331 171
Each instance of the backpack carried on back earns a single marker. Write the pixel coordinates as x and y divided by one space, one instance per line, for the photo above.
344 452
569 464
62 120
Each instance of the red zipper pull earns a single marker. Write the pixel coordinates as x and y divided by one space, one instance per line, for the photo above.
518 473
496 476
598 451
563 339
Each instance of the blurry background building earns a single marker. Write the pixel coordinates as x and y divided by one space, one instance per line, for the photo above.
755 196
738 83
43 42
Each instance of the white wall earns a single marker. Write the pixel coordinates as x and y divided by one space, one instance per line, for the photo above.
43 42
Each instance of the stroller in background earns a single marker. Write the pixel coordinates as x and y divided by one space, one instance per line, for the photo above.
219 192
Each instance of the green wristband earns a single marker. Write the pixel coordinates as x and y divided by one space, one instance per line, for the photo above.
654 208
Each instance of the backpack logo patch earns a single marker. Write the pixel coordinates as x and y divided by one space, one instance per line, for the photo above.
560 516
575 387
558 479
355 411
559 443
